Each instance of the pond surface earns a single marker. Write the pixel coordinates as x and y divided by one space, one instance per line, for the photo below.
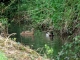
39 41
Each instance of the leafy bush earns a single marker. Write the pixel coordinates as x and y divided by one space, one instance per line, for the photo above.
2 56
70 50
49 51
4 21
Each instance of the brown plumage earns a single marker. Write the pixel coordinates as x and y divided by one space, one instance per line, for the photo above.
28 33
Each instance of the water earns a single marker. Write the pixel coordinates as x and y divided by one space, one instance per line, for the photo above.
39 41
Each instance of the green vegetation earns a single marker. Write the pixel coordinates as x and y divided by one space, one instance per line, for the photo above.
70 51
62 15
2 56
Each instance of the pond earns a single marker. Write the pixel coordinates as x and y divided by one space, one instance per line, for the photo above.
39 41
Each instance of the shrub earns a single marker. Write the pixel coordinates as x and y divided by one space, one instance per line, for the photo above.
70 50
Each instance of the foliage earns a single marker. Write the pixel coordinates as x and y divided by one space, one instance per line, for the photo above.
57 12
4 25
14 39
49 51
2 56
71 50
4 21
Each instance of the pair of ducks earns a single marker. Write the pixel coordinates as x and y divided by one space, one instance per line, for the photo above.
49 34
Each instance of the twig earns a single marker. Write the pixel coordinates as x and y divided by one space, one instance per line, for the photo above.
8 38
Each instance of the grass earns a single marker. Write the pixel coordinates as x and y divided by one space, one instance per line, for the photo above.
2 56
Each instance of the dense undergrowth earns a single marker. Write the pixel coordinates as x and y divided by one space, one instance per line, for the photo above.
62 15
